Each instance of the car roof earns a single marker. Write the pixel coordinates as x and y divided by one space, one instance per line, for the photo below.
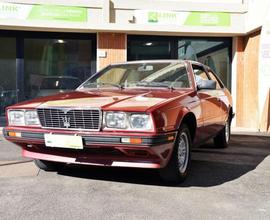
160 61
151 61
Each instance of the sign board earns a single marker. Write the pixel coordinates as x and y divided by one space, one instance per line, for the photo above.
43 12
183 18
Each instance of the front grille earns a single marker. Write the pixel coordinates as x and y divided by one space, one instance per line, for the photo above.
76 119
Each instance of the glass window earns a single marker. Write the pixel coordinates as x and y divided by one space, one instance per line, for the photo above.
55 65
8 94
213 52
149 48
148 74
199 74
213 77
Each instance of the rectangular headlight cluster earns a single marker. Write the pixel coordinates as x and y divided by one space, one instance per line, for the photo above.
23 118
128 121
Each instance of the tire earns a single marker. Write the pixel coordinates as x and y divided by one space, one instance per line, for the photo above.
223 138
47 165
177 168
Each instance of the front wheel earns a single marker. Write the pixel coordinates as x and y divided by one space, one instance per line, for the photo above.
47 165
177 168
223 138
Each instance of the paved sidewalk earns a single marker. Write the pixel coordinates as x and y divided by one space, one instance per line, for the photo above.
9 153
231 183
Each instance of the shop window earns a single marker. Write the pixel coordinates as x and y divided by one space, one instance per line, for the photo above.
212 51
150 48
8 91
56 65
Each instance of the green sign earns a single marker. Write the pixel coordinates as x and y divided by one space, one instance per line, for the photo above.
58 13
155 17
208 19
193 18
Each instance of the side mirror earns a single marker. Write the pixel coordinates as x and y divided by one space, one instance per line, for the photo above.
207 84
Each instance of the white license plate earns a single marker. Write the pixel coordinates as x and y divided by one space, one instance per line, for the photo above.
63 141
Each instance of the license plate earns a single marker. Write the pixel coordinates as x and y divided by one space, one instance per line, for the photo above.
63 141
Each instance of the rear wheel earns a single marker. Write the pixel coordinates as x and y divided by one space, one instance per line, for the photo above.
47 165
223 138
177 168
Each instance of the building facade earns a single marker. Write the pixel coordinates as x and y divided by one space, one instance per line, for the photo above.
71 40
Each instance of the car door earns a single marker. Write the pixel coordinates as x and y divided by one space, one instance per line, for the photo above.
210 103
223 99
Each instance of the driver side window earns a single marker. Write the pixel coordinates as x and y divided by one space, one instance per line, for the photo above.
212 76
199 74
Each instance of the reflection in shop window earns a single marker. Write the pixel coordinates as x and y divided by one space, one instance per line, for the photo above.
8 91
211 52
56 65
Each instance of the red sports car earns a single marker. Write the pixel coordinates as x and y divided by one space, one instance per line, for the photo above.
146 114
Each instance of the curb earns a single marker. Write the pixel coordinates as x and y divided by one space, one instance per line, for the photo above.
15 162
245 133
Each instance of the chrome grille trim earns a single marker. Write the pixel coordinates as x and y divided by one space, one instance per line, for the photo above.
89 119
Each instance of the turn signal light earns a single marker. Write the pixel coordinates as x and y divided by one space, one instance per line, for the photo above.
135 140
131 140
170 138
14 134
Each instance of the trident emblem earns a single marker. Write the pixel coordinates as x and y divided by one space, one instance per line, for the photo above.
66 121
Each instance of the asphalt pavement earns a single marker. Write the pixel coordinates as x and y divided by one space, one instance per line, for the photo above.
230 183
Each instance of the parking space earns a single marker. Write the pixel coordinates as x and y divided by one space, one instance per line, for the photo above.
223 183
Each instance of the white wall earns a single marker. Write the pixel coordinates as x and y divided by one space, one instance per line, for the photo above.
257 13
210 1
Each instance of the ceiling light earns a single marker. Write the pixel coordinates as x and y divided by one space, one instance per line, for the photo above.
149 44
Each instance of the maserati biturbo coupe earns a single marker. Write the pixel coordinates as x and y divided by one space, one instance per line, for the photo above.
146 114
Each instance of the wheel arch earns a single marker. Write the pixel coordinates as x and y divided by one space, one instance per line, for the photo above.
231 114
190 121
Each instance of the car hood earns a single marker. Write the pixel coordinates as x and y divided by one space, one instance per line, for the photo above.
109 100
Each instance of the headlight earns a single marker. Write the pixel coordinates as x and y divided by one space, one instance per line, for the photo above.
129 121
16 117
116 120
23 117
140 121
31 118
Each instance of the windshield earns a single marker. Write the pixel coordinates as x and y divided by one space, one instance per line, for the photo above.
152 74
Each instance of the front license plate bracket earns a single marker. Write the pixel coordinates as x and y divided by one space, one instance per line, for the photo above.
63 141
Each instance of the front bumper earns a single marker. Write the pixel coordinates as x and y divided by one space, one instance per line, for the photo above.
100 148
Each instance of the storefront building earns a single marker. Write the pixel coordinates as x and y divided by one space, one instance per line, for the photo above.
69 41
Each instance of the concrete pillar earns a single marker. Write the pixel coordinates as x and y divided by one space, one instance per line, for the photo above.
247 101
112 48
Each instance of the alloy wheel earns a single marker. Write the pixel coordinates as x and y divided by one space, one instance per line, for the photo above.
183 152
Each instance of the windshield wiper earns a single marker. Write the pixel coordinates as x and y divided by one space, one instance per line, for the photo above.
154 84
104 84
